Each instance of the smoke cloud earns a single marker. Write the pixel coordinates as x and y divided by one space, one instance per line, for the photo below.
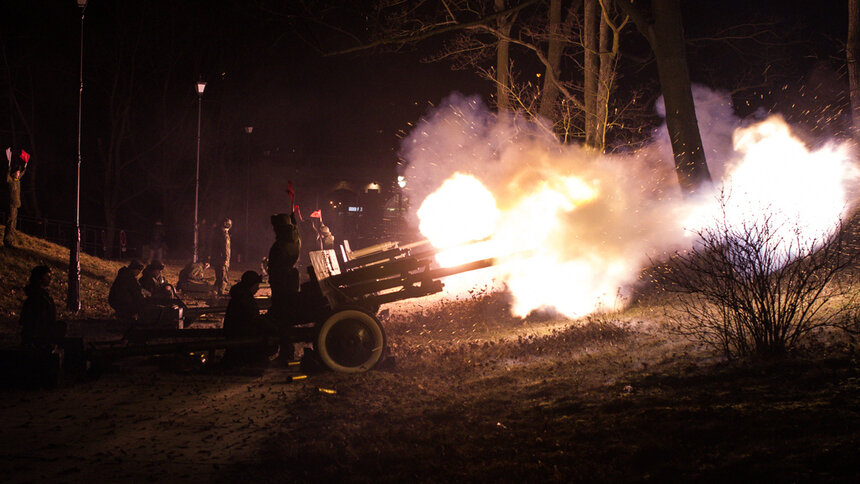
575 227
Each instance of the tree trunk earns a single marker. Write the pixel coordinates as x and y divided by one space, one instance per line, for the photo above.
549 93
665 34
590 38
503 61
853 57
608 50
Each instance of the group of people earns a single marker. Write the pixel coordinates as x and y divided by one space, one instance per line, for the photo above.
213 250
137 286
243 318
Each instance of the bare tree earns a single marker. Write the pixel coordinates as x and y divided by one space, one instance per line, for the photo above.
760 287
23 109
490 36
853 56
661 26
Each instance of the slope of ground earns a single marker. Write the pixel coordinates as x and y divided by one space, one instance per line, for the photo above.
16 263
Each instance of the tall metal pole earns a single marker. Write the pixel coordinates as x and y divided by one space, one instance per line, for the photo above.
73 300
248 131
197 176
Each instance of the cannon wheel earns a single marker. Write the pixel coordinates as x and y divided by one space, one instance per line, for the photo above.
350 341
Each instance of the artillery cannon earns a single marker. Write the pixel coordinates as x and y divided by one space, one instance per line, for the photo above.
336 313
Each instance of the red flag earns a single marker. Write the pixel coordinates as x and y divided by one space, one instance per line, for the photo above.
316 214
25 156
298 213
291 192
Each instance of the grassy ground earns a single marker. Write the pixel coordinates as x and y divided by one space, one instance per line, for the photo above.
473 395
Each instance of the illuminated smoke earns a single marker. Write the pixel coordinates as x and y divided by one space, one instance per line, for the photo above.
571 229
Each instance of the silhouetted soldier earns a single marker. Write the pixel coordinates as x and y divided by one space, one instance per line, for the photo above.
243 320
39 315
283 276
126 296
221 256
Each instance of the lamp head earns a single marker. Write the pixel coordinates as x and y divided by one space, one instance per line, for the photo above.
201 86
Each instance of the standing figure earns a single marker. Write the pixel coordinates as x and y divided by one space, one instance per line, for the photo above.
221 256
126 296
39 315
283 276
326 239
13 183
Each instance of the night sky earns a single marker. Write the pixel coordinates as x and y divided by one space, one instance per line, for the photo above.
317 119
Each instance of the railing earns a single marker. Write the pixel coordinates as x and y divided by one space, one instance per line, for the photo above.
93 237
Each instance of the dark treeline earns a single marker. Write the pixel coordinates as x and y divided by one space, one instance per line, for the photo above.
317 119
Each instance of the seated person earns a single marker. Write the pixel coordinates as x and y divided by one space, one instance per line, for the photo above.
192 278
243 320
39 315
152 280
126 296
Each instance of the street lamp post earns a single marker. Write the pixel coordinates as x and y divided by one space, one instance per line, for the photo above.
248 131
201 86
73 300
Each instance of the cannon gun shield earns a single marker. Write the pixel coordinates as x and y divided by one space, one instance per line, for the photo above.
350 341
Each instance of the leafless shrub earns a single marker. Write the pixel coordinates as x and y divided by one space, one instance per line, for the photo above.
760 287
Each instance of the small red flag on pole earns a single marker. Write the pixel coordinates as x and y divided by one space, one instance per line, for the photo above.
316 214
25 156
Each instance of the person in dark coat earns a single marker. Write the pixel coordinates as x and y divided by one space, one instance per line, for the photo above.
126 296
243 320
221 256
152 280
283 276
13 183
39 315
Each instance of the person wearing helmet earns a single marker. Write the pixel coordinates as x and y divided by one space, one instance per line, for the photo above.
126 296
242 320
13 180
283 276
152 280
326 239
221 256
39 315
